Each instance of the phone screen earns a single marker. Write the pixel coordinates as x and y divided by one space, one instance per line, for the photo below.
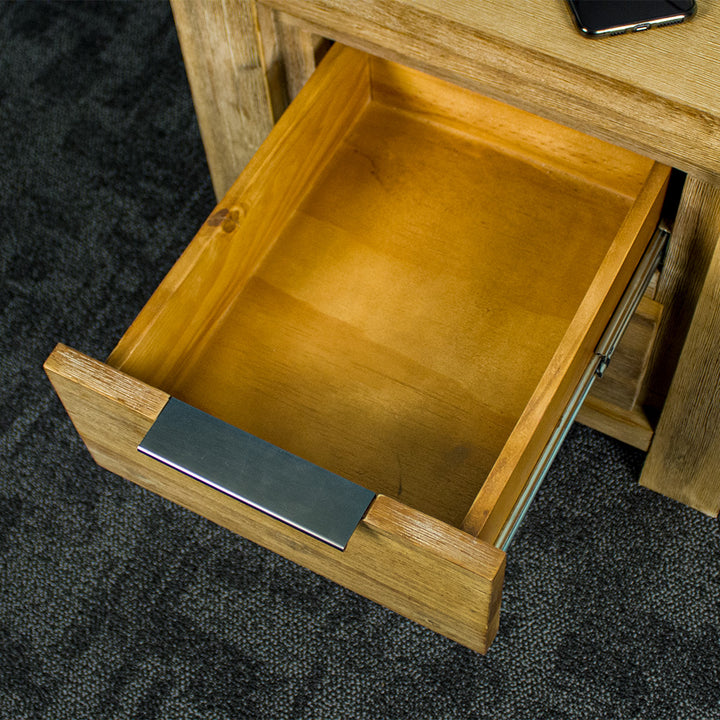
598 17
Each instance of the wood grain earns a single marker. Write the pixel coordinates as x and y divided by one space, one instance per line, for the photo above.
237 236
657 94
343 304
684 459
415 565
301 51
270 44
380 330
572 356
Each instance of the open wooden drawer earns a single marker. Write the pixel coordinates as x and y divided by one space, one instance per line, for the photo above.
405 287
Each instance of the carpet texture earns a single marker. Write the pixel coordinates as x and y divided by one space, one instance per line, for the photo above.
116 604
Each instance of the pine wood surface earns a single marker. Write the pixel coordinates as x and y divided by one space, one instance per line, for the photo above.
657 93
343 303
391 338
375 327
532 431
236 237
694 237
244 64
301 51
629 426
229 81
269 43
684 459
415 565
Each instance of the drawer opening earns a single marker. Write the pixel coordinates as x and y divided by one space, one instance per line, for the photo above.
402 285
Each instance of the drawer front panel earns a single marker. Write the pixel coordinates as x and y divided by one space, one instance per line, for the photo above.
413 564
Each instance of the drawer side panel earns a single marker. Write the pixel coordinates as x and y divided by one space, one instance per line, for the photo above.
234 240
507 480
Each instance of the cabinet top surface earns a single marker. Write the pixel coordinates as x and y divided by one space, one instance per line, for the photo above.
681 62
655 92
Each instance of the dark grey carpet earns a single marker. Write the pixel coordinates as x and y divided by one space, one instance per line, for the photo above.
116 604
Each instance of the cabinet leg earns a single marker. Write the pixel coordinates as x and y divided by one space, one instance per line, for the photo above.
695 234
244 63
230 81
300 51
684 458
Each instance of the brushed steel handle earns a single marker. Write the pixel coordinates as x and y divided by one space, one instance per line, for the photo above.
296 492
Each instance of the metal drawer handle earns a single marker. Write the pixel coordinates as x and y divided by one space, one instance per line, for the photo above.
284 486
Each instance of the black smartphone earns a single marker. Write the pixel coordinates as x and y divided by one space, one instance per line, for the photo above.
599 18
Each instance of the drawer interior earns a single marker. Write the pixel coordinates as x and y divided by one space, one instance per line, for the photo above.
388 285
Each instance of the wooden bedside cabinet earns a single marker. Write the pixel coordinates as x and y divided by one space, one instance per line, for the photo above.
411 288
